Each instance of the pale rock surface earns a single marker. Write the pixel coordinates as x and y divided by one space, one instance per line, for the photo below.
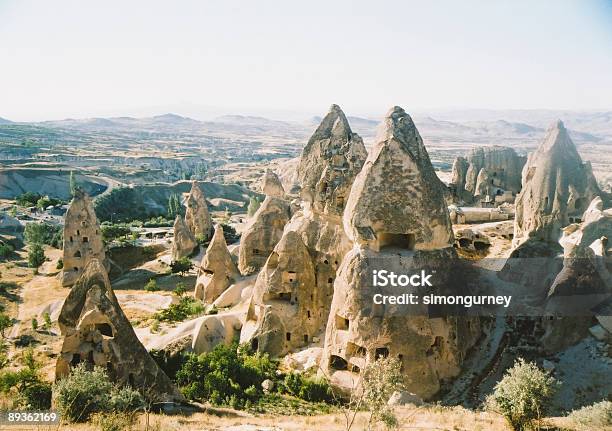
403 223
397 196
401 398
197 217
262 234
97 332
82 238
303 360
482 184
557 188
271 185
329 162
217 270
502 163
184 242
285 310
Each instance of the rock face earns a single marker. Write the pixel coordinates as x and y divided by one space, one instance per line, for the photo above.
584 282
217 270
271 185
501 164
184 242
82 238
262 234
397 199
330 160
197 217
97 333
397 225
557 187
286 309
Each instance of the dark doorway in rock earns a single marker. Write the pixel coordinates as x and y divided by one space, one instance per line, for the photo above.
288 336
254 344
479 245
105 329
381 352
404 241
338 363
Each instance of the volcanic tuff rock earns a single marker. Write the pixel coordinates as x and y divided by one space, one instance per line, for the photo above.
401 226
482 184
97 333
184 242
82 238
217 270
286 308
197 217
330 160
262 234
397 196
502 164
584 282
557 187
271 185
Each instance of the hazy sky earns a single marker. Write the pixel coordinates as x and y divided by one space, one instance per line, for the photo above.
279 58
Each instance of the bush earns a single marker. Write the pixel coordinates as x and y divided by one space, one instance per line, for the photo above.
597 415
83 393
5 250
230 234
60 264
28 199
314 390
180 289
111 232
36 256
151 286
114 421
43 233
28 390
186 307
181 266
226 376
523 394
5 323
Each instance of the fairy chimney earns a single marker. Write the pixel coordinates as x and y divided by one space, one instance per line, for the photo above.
217 270
97 333
184 242
396 217
197 217
262 234
82 238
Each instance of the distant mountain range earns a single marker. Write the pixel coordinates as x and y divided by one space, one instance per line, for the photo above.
584 127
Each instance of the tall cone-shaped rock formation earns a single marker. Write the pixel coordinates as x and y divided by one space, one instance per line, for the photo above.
197 217
271 185
184 242
330 160
97 333
82 238
397 217
557 188
262 234
286 308
217 270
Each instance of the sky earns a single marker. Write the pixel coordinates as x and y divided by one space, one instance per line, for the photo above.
287 58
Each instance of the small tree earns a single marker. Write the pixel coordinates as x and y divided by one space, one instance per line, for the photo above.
523 394
151 285
36 255
34 324
73 184
180 289
254 205
5 323
46 321
181 266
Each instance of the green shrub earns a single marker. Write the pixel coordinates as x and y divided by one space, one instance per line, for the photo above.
36 255
523 394
82 393
180 289
230 234
5 323
43 233
185 308
26 386
181 266
597 415
28 199
226 376
34 324
309 389
151 286
5 250
60 264
46 320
